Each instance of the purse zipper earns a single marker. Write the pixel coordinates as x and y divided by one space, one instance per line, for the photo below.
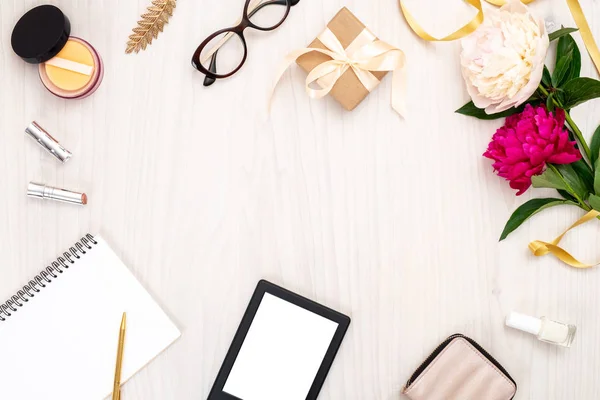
442 346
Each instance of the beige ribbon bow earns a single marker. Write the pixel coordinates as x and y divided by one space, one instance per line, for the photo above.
364 55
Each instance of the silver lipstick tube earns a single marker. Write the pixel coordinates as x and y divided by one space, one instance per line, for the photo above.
44 139
41 191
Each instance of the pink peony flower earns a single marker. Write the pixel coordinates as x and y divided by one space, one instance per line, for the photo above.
527 141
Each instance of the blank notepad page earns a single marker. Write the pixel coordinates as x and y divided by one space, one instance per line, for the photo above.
61 344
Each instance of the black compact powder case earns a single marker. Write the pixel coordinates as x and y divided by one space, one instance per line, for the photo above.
40 34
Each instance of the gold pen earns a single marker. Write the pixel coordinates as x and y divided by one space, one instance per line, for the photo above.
117 385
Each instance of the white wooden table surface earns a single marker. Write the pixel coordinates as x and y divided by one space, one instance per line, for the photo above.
394 222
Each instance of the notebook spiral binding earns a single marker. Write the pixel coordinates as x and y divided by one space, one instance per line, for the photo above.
39 282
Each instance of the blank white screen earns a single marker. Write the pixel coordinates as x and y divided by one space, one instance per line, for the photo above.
281 354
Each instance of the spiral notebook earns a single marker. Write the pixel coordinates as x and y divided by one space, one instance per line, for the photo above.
59 332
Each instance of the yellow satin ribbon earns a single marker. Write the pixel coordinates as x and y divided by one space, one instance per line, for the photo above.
373 55
500 3
539 248
585 31
471 26
461 32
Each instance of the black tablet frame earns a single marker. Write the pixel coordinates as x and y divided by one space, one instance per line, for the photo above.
263 287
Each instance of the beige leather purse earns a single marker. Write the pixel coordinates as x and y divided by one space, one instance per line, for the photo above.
460 369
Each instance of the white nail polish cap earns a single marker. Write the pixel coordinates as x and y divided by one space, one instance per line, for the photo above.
524 323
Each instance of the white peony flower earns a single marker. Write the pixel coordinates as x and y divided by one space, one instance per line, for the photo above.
503 60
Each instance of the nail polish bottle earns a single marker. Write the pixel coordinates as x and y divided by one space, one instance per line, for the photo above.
545 329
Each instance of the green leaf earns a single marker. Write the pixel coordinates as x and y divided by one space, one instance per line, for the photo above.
595 202
561 32
563 69
567 46
546 77
535 98
562 177
471 110
578 91
595 146
550 102
559 95
576 185
566 195
584 171
549 179
526 211
597 177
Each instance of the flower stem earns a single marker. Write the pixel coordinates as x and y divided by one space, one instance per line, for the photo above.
543 90
576 131
579 135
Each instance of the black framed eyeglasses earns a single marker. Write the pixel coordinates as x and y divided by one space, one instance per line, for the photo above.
230 44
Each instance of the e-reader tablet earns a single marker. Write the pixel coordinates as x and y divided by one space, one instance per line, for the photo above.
282 350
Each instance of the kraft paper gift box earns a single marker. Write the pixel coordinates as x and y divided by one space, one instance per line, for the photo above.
348 90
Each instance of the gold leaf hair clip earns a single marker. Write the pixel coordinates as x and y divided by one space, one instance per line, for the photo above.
151 24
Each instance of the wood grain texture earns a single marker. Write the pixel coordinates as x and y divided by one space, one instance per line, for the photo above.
392 221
